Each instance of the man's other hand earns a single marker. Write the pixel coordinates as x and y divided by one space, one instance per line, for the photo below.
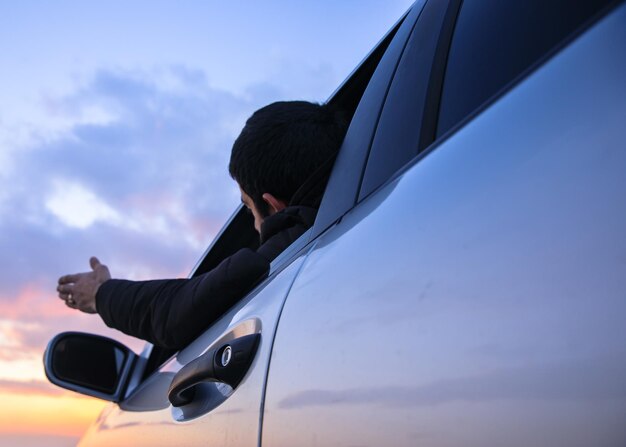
79 290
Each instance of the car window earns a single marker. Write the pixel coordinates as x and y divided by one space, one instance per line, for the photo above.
343 185
239 231
405 115
496 41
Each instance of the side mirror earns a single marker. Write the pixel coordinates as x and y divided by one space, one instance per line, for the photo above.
89 364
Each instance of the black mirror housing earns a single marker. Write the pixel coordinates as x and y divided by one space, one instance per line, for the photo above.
89 364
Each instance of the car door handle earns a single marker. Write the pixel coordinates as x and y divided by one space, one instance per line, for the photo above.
227 364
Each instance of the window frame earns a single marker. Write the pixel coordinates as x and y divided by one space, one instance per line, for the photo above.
238 232
347 174
430 140
413 96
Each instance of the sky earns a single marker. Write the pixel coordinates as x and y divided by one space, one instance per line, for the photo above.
116 123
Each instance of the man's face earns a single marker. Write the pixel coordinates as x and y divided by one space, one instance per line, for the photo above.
249 203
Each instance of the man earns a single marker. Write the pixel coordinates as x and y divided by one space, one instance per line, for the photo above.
281 161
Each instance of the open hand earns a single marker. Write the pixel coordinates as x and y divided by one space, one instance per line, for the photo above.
79 289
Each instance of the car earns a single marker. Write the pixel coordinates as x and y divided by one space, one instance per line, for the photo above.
464 282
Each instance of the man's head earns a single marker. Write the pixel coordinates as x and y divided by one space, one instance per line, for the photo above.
280 147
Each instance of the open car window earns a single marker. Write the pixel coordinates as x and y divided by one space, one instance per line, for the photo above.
239 231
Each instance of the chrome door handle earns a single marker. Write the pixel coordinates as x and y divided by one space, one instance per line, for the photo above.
227 364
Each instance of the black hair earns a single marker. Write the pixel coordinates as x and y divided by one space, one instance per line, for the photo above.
282 145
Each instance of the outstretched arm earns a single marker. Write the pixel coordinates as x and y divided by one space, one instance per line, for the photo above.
79 289
169 312
172 312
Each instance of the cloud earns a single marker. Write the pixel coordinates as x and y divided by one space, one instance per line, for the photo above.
140 179
37 440
28 322
136 175
68 197
29 319
30 387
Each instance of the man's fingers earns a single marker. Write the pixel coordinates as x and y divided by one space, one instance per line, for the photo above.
65 288
69 278
64 296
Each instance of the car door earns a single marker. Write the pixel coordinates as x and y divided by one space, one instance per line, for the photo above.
476 297
218 414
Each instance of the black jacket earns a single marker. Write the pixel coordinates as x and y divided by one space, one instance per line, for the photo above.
171 313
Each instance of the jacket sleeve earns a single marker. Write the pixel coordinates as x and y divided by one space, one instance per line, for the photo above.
172 312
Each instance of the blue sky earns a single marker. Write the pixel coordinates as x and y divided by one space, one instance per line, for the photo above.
116 123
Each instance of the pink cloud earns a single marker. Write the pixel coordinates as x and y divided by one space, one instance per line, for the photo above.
31 301
31 387
36 315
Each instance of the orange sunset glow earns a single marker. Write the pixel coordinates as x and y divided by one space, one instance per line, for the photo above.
52 414
34 411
